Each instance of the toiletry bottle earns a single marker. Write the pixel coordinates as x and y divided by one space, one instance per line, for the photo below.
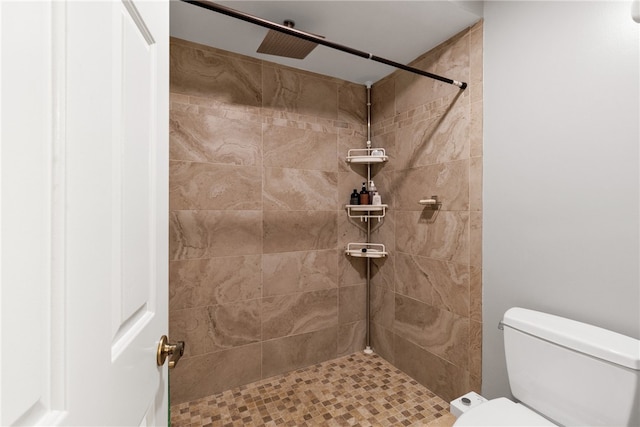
364 195
372 191
355 198
377 200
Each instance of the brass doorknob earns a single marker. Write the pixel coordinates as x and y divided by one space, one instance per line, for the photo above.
173 351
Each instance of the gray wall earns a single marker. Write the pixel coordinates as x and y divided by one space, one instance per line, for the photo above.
561 181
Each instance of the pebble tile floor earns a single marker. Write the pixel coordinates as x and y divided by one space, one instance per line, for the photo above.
356 390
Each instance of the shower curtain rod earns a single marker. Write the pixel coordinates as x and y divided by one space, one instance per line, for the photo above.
319 40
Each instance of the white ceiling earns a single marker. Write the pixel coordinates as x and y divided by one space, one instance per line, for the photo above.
395 30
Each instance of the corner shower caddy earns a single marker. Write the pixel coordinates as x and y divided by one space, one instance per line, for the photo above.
367 156
367 212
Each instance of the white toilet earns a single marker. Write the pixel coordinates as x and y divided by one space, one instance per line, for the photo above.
563 372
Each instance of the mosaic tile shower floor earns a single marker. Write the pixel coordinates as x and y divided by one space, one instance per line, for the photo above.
356 390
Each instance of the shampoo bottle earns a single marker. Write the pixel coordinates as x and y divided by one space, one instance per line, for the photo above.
364 195
372 191
377 200
355 198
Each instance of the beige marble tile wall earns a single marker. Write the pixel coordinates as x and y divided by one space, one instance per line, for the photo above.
259 284
427 296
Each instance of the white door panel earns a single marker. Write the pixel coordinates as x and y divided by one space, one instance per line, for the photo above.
84 212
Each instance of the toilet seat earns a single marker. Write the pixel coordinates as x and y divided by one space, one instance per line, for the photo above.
501 412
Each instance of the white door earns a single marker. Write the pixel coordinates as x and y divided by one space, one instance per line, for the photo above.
84 158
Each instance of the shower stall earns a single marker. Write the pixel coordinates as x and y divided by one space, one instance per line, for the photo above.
260 283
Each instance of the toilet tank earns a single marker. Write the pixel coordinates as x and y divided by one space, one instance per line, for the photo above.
571 372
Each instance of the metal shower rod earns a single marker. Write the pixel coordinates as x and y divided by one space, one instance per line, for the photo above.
319 40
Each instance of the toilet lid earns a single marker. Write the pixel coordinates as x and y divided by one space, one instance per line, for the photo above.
501 412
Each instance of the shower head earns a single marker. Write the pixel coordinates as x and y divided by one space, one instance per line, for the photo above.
281 44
